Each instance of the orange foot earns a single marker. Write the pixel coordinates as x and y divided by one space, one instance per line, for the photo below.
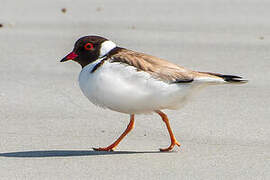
113 145
170 147
104 149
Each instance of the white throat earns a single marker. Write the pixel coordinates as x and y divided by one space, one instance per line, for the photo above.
106 47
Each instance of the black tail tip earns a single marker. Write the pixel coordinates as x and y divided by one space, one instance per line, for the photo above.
232 78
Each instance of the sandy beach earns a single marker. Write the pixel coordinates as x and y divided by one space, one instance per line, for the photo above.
47 126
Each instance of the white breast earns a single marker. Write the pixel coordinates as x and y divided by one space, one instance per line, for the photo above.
124 89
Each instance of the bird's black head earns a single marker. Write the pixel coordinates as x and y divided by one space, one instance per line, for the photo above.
88 49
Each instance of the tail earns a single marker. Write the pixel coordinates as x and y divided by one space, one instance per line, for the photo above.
218 77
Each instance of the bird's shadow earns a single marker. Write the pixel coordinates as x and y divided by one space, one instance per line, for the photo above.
68 153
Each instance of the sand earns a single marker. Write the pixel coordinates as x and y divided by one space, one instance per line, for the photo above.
47 127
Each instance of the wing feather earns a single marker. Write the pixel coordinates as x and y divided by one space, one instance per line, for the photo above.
158 68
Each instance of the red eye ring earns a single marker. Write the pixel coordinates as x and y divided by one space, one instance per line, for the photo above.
88 46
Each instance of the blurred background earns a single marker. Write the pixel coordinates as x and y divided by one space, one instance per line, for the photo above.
224 132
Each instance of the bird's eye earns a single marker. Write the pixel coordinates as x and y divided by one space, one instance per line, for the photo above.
88 46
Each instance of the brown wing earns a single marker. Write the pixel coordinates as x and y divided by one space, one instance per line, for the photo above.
158 68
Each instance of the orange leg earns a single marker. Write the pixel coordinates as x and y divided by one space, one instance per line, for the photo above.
173 140
113 145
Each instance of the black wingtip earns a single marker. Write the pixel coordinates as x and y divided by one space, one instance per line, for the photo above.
183 81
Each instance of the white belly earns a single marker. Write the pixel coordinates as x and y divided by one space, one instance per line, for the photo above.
124 89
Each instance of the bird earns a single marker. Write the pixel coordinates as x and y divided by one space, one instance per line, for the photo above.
132 83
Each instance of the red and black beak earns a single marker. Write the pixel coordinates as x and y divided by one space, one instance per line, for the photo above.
70 56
